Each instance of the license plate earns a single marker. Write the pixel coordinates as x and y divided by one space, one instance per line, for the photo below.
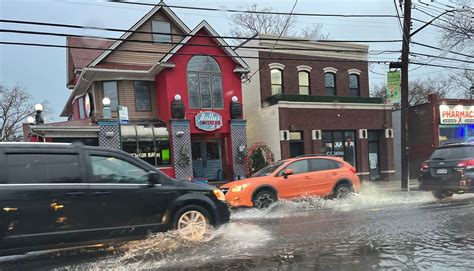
441 171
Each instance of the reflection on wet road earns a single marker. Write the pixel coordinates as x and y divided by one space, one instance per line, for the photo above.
373 230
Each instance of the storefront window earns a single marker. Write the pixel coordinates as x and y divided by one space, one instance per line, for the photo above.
147 142
455 133
340 144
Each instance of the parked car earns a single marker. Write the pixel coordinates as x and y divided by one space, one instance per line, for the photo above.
58 195
449 170
293 178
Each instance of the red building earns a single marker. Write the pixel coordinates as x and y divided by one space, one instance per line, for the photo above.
174 91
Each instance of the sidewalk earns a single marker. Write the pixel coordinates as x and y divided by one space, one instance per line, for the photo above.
395 185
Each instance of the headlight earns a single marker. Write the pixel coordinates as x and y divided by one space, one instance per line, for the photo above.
239 188
219 195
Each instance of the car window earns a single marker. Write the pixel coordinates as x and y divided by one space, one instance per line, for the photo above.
298 167
106 169
453 153
323 164
26 168
266 171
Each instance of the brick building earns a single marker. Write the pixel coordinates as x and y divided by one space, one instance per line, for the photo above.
175 91
315 100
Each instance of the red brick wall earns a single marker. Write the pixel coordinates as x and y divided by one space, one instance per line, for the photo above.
290 74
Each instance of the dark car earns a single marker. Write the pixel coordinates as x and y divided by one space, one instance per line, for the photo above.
449 170
61 195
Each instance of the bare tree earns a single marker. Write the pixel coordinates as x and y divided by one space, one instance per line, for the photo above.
15 106
458 29
420 89
463 81
313 31
249 24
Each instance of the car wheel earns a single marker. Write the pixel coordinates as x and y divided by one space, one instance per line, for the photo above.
192 222
264 199
440 194
343 190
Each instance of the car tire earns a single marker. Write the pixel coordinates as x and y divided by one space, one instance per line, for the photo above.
441 194
263 199
343 191
192 222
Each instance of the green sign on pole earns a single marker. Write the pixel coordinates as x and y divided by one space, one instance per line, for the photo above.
393 87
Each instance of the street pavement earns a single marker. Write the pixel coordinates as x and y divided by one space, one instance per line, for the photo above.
381 228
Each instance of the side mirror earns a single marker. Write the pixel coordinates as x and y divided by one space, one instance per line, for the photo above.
154 177
287 172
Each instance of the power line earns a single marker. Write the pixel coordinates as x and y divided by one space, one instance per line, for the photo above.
262 12
183 35
398 16
187 54
441 66
27 32
431 15
440 49
441 57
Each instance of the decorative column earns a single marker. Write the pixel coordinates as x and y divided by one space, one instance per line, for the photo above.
181 138
109 134
238 134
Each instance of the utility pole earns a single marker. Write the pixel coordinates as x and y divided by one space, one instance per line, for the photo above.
404 93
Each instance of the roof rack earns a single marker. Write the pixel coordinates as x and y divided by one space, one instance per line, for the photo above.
315 154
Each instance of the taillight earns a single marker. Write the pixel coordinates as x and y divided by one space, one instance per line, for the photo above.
424 166
468 164
352 169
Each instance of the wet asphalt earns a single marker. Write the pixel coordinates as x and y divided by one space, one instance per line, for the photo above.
374 230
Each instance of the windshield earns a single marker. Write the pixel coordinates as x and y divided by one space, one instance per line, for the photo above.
266 171
461 152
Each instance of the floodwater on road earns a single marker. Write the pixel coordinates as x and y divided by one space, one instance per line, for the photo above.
372 230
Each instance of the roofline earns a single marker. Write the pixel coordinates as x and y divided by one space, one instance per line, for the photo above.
208 27
145 18
306 42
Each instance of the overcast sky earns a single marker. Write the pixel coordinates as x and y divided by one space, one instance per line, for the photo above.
42 71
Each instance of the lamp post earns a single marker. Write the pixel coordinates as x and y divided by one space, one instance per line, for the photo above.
107 112
38 116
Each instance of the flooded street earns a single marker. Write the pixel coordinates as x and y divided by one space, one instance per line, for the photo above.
373 230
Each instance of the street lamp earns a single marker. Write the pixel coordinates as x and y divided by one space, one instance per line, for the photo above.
107 112
38 116
30 120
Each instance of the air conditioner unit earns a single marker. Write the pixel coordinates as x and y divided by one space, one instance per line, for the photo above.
388 133
316 134
284 135
362 133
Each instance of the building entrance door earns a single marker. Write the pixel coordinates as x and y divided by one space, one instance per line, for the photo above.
374 159
207 159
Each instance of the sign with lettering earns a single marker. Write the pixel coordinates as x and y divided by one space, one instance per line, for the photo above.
208 121
393 87
456 114
123 114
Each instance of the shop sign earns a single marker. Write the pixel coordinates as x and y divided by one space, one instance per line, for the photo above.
208 121
123 114
456 114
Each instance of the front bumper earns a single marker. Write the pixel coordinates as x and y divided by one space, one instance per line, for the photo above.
236 200
222 212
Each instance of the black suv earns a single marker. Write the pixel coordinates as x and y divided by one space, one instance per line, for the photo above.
59 195
449 170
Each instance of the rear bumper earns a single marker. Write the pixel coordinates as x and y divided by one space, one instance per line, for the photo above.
459 186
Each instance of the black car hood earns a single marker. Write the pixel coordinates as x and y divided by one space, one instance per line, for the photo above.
192 186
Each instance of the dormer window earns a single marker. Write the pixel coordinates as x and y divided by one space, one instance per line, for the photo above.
161 27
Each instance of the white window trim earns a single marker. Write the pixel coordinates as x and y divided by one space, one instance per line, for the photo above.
305 68
354 71
330 69
276 66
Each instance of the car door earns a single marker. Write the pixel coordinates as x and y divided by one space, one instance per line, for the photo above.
293 185
324 173
41 196
122 200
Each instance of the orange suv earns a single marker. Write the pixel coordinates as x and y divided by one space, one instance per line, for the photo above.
293 178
